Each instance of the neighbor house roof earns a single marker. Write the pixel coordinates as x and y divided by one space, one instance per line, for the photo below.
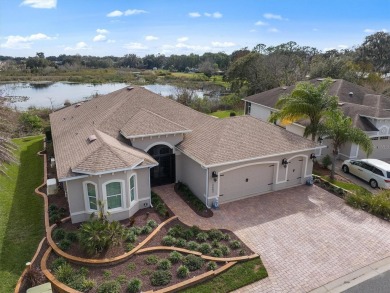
138 112
355 101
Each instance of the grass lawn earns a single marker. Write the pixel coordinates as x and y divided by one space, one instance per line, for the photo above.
239 275
348 186
21 212
224 114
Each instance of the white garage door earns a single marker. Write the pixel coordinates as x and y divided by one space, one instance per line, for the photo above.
294 172
246 181
381 148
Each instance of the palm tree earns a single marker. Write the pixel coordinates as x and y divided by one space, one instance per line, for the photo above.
339 129
306 101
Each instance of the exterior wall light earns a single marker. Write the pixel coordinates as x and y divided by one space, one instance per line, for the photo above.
313 157
214 175
284 163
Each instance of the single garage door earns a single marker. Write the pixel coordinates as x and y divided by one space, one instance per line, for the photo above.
294 172
246 181
381 148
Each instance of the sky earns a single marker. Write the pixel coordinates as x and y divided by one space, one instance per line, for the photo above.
119 27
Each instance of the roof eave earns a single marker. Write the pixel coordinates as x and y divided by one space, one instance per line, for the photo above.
154 134
108 171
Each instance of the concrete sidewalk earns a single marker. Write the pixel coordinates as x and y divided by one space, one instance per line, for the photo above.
355 278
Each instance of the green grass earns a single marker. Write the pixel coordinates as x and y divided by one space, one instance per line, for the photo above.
21 212
348 186
224 114
239 275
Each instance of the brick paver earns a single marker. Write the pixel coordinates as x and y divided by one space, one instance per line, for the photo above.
306 236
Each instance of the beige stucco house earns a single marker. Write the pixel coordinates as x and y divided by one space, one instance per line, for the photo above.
115 147
369 111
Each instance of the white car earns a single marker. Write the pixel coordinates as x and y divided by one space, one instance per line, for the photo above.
375 172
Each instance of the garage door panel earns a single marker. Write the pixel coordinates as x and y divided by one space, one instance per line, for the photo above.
294 173
246 181
381 149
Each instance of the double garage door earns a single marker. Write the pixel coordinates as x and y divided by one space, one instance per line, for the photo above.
381 148
256 179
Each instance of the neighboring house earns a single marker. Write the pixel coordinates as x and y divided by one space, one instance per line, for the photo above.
369 112
115 147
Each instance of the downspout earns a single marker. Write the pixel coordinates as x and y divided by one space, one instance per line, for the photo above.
207 188
150 200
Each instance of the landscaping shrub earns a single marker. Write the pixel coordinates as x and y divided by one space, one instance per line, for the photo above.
225 250
188 234
121 279
216 252
215 234
72 236
164 264
175 257
107 274
235 244
152 224
129 247
52 208
204 248
181 242
182 272
378 204
215 244
151 260
326 161
168 240
189 197
160 278
146 272
65 273
176 231
59 234
57 263
131 266
242 252
195 230
193 262
202 236
136 230
158 205
109 287
226 237
131 237
146 230
192 245
212 266
34 277
64 244
134 286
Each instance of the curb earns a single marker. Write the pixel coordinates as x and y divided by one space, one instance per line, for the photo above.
359 276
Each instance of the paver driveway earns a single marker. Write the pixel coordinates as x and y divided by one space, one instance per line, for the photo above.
306 236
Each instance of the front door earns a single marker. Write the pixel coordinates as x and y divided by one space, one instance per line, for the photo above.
164 173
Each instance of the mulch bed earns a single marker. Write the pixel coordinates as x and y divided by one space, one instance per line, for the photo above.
206 213
140 219
36 264
321 171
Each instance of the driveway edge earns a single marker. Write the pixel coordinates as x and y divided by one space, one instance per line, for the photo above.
356 277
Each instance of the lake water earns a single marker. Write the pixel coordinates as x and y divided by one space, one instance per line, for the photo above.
42 95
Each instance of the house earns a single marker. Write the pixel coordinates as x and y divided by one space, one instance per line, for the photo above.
369 111
115 147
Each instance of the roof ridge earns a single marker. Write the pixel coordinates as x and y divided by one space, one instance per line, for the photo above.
162 117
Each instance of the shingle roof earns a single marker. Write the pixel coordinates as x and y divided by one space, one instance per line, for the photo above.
139 112
145 123
363 102
240 138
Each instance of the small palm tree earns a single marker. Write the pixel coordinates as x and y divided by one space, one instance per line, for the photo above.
306 101
339 129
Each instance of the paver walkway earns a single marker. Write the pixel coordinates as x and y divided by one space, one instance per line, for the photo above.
306 236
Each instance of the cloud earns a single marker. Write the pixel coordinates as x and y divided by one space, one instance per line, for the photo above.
342 47
194 14
115 13
134 11
151 38
79 46
273 30
370 31
102 31
223 44
20 42
273 16
261 23
214 15
182 39
99 38
135 46
111 41
46 4
192 47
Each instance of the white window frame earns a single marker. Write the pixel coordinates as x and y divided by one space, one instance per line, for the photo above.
122 183
132 202
86 196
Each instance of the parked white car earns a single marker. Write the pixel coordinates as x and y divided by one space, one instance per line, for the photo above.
375 172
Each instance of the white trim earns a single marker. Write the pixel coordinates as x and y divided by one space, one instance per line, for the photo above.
72 178
78 213
86 197
123 187
108 171
376 118
159 143
133 202
145 166
155 134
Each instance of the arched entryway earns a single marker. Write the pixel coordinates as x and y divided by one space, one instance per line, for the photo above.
164 173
